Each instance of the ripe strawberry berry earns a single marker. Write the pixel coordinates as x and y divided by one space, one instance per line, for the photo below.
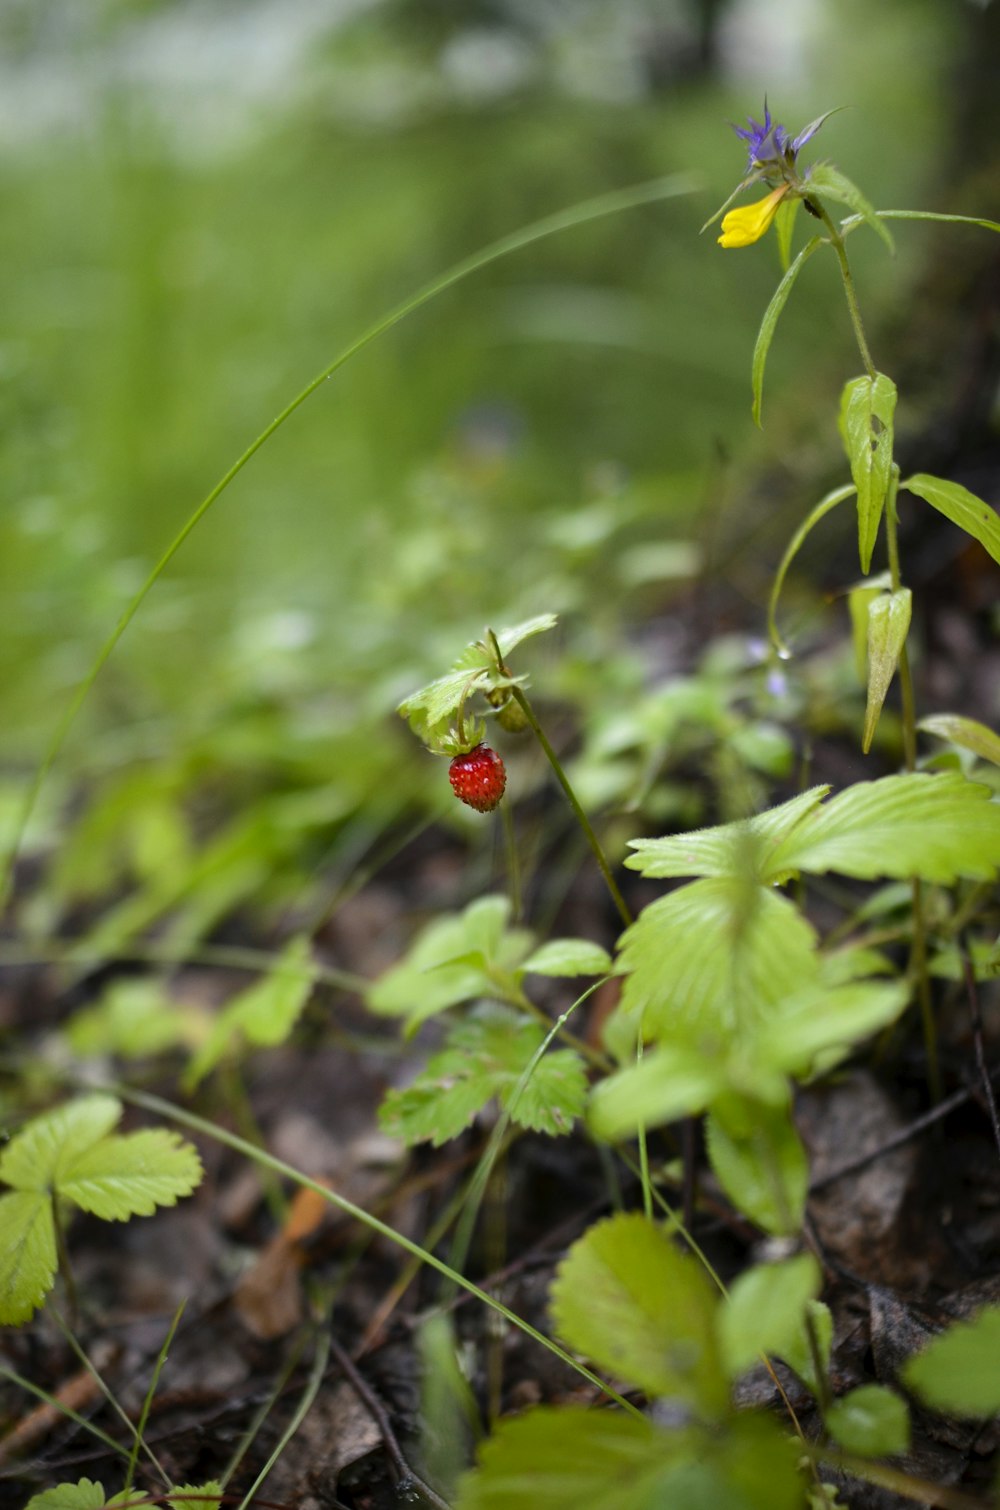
478 778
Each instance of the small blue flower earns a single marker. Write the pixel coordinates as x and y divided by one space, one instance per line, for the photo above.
769 146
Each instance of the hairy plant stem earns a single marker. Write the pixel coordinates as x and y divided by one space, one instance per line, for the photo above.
837 242
578 812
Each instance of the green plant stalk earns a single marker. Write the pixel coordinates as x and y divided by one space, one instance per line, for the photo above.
837 242
171 1113
578 812
147 1403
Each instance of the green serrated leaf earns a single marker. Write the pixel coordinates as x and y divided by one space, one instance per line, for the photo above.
508 638
196 1497
828 180
871 1421
730 849
668 1083
963 508
34 1158
566 1458
764 1310
967 733
568 957
772 313
938 827
628 1298
83 1495
262 1015
867 407
128 1176
759 1161
957 1372
27 1254
888 625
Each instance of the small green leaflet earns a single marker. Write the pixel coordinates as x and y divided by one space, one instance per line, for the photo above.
957 1372
772 313
758 1159
568 957
826 179
264 1014
888 625
83 1495
71 1153
963 508
440 700
764 1310
967 733
867 407
628 1298
870 1421
667 1083
86 1495
486 1056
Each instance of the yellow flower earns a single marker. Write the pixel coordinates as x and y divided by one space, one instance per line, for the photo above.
747 224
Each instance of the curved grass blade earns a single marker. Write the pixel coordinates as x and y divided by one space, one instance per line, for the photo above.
613 203
794 546
764 336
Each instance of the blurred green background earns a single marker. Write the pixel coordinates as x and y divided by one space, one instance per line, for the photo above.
204 202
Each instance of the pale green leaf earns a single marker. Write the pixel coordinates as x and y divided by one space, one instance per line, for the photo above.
963 508
566 957
859 600
967 733
778 301
829 181
938 827
867 407
764 1310
888 626
958 1372
742 848
33 1159
784 229
987 225
667 1083
264 1014
134 1018
191 1497
441 699
83 1495
27 1254
567 1458
628 1298
759 1161
128 1176
826 1018
508 638
870 1421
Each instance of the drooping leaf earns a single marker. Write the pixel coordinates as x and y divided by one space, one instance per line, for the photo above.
888 626
957 1372
568 957
867 407
119 1177
871 1421
828 180
83 1495
628 1298
764 1310
441 699
735 849
963 508
773 311
34 1157
967 733
264 1014
938 827
27 1254
759 1161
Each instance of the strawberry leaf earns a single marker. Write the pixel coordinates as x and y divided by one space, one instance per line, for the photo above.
128 1176
27 1254
34 1157
83 1495
764 1310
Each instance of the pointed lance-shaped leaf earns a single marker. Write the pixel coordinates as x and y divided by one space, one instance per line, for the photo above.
888 626
963 508
967 733
867 407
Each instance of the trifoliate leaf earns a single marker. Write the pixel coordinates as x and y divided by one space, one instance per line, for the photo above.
957 1372
867 407
730 849
764 1310
566 957
759 1161
264 1014
888 626
27 1254
871 1421
668 1083
829 181
967 733
963 508
629 1299
83 1495
938 827
33 1159
128 1176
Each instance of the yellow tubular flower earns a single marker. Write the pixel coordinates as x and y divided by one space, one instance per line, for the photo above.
747 224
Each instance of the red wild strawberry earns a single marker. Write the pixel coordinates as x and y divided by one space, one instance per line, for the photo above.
478 778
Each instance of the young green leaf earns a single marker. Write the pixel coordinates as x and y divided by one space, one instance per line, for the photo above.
957 1372
28 1256
627 1297
797 1352
888 626
440 700
967 733
867 407
764 1310
784 229
827 1019
666 1084
778 301
870 1421
264 1014
963 508
33 1158
735 849
939 827
83 1495
859 600
120 1177
759 1161
829 181
567 957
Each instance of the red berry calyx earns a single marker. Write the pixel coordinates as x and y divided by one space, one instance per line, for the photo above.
478 778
